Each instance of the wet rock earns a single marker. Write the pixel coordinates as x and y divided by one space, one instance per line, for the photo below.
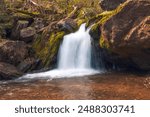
110 4
28 64
67 25
8 71
27 34
13 52
128 33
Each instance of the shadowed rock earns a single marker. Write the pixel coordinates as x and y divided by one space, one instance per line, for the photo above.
8 71
110 4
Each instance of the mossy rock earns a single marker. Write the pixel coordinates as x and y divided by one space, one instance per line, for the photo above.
95 32
80 21
99 20
4 18
88 12
21 16
106 16
15 4
47 50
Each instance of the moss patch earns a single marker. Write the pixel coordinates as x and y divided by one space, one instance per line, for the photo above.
102 18
22 16
47 51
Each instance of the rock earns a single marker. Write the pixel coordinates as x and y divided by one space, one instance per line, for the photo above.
128 33
67 25
27 34
8 71
88 12
13 52
22 32
109 5
2 5
6 24
38 24
28 64
21 24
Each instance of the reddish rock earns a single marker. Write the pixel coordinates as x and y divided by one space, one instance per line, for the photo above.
128 33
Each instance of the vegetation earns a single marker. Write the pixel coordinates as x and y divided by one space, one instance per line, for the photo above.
48 38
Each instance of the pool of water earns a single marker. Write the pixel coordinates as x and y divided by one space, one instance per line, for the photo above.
100 86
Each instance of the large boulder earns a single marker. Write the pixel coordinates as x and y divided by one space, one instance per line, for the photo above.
13 52
8 71
110 4
128 33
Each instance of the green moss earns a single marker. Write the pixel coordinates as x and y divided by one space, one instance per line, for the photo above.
25 12
88 12
103 42
22 16
95 32
53 44
47 50
95 27
105 16
80 21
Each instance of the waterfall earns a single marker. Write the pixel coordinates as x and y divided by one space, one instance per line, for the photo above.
75 51
74 57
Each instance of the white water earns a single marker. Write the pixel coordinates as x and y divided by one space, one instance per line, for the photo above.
74 57
75 51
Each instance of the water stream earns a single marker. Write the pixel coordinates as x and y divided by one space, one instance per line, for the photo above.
74 57
75 61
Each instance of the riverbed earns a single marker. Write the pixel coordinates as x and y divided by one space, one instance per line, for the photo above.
110 86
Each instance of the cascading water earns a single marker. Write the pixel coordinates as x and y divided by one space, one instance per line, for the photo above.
74 57
75 51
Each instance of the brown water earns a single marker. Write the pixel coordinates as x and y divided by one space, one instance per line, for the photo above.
106 86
